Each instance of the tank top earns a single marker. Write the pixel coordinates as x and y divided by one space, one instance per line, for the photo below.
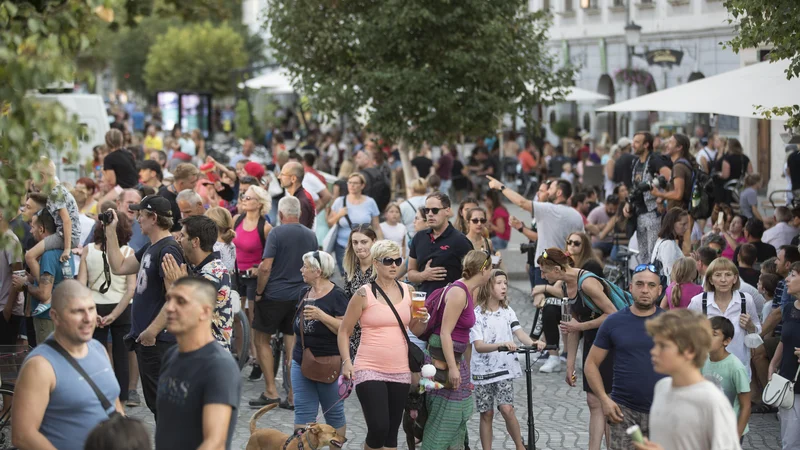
94 271
248 247
74 409
465 321
381 336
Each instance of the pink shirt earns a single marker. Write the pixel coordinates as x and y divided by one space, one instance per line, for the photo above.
383 345
502 214
728 252
688 290
248 247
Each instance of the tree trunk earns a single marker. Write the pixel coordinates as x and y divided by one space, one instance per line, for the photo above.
406 166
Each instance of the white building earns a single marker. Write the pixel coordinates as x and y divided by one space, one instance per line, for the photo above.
590 34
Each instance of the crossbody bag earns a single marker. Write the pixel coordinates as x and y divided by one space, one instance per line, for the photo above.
416 357
322 369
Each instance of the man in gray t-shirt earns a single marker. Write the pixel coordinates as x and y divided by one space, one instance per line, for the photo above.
748 199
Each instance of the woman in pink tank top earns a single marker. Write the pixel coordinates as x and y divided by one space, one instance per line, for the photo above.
381 373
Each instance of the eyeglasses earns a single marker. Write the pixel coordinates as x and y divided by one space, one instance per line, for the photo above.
359 227
574 243
246 197
648 267
476 221
389 261
433 211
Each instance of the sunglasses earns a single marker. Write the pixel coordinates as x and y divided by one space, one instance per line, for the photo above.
648 267
389 261
248 180
359 227
488 261
476 221
245 197
433 211
574 243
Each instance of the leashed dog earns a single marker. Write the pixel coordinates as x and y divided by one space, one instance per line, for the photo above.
316 435
414 418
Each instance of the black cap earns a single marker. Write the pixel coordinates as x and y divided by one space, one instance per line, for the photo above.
150 165
155 204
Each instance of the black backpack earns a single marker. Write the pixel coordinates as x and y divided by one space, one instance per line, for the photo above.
377 187
261 222
700 192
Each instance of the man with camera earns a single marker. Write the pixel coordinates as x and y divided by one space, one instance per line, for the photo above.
148 336
646 169
679 188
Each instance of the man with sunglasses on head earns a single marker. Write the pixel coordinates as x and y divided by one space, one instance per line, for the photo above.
623 337
435 257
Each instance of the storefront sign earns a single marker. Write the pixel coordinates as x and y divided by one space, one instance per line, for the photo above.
664 57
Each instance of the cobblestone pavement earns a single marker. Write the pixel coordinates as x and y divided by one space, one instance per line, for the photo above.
560 412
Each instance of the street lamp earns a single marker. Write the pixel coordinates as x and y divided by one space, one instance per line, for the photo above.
633 34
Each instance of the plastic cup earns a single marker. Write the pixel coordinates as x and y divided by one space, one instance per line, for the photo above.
417 302
495 260
635 434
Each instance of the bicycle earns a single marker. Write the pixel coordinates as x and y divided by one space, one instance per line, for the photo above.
244 355
279 352
11 358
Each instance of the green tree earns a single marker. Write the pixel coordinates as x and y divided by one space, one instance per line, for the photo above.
195 58
427 68
772 23
130 50
242 126
39 43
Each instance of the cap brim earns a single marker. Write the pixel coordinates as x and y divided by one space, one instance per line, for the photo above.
135 207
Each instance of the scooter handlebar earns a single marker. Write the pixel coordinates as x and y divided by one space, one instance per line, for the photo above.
526 348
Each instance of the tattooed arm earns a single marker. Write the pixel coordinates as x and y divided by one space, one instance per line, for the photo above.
45 288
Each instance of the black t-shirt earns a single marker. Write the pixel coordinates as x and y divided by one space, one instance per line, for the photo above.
681 169
189 381
319 338
494 163
307 211
149 297
749 275
167 193
124 167
764 252
793 162
448 250
423 165
738 165
623 169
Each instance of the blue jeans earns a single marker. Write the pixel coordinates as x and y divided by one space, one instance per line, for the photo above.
339 251
310 395
499 244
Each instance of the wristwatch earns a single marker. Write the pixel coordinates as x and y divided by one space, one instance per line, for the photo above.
502 187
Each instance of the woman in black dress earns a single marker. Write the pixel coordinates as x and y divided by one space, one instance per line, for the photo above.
734 165
583 322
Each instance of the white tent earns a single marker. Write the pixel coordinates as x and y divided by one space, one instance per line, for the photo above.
733 93
579 95
277 81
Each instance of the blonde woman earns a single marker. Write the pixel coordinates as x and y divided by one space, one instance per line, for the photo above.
722 297
225 234
683 286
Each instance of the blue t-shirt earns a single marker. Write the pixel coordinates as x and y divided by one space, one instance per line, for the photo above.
287 244
50 263
150 294
362 213
625 336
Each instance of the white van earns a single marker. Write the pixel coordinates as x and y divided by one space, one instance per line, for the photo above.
93 119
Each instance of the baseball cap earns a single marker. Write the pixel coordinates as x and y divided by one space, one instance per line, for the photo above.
254 169
155 204
624 142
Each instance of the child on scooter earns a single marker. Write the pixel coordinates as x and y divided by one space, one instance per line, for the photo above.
493 371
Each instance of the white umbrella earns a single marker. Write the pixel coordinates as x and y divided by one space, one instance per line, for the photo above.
579 95
733 93
277 81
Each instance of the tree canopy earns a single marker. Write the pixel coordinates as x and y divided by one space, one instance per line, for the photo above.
427 68
196 57
774 24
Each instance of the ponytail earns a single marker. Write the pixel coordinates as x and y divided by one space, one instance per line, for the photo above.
676 296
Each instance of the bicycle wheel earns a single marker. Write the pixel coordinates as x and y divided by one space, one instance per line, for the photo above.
7 390
245 338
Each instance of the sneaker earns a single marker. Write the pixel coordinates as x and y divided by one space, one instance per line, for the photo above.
256 373
133 399
553 364
542 357
41 309
563 357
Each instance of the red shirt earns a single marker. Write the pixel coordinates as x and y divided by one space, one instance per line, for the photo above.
527 161
502 214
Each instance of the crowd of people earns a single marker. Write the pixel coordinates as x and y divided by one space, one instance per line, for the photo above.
124 280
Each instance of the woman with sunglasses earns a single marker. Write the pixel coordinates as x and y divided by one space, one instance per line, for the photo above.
358 269
462 220
579 248
450 408
353 209
557 268
251 230
316 325
670 239
381 373
499 226
477 230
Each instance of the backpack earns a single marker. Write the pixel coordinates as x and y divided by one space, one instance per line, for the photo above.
435 306
377 187
620 298
705 303
701 192
261 222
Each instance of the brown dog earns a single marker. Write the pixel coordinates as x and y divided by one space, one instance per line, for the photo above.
316 435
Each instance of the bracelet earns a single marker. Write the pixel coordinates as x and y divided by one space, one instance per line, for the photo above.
427 318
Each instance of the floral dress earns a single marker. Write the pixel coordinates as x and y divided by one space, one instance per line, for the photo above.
350 287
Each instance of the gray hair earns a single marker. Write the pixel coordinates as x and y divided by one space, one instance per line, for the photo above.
714 238
289 206
189 196
326 264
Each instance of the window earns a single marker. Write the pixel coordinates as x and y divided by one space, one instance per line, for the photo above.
567 5
546 4
589 4
646 2
619 3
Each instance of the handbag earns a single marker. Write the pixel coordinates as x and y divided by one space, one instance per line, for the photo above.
100 396
322 369
416 357
779 392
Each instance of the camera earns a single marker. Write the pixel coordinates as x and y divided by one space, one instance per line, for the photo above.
637 193
106 217
527 247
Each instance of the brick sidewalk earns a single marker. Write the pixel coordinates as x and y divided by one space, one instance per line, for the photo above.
560 412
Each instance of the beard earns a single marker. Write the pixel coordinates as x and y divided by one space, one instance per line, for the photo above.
643 306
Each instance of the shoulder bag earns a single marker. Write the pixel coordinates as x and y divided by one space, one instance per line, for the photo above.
322 369
329 242
100 396
779 392
416 357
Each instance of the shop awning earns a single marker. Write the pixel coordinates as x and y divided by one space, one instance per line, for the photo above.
733 93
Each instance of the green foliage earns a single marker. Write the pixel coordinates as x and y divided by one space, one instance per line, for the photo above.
195 58
562 127
428 68
38 46
130 50
189 11
773 24
243 130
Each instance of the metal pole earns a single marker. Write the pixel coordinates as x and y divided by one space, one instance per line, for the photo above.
629 66
531 428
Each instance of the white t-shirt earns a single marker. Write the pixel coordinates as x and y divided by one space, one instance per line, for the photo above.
408 209
667 251
313 185
492 328
10 254
87 226
555 223
707 154
692 417
394 233
781 234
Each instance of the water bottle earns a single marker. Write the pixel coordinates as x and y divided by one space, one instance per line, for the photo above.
695 198
66 270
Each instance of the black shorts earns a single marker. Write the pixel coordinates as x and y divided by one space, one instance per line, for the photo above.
10 330
247 288
271 316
